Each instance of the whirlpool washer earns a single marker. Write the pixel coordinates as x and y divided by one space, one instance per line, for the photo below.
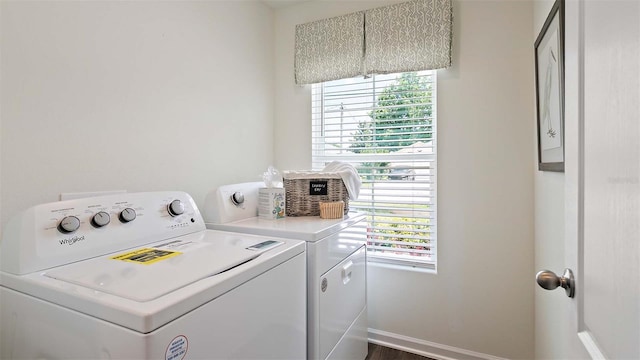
336 266
138 276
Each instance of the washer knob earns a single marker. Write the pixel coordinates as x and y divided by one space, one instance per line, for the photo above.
175 208
69 224
100 219
127 215
237 198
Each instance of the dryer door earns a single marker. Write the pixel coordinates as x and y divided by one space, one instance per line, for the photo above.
342 298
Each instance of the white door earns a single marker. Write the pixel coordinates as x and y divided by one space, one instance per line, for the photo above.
602 242
609 316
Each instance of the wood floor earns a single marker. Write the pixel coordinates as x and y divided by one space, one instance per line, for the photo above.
378 352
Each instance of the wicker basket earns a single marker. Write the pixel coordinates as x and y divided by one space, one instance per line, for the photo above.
304 191
331 209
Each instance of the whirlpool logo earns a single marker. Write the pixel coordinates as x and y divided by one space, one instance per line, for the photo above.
71 241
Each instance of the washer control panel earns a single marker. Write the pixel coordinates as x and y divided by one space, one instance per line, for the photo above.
58 233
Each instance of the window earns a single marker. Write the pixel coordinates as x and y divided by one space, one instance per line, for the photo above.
385 126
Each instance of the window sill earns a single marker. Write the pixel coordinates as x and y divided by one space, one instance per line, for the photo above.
403 265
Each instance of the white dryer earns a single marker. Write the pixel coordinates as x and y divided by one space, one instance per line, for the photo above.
336 266
138 276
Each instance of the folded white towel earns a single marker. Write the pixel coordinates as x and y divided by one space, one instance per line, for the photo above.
349 176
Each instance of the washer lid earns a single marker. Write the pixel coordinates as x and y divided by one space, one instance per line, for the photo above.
146 273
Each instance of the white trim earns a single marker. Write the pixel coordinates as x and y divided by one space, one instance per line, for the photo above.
590 345
425 348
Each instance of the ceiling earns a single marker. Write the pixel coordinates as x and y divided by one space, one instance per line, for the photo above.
276 4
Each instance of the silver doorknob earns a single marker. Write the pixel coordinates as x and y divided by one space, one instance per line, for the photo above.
547 279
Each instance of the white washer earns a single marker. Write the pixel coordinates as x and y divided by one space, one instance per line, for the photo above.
336 267
138 276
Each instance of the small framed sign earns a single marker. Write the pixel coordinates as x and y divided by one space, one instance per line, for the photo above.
318 187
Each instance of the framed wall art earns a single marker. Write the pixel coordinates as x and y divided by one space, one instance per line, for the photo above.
549 73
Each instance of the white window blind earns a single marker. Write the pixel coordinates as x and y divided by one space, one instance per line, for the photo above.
385 126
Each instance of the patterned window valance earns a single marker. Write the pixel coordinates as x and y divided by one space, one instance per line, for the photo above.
329 49
410 36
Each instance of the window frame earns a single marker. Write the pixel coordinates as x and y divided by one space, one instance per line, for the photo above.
319 125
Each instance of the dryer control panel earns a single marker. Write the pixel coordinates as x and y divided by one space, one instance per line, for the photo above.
62 232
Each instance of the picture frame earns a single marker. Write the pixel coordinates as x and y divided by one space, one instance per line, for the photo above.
549 78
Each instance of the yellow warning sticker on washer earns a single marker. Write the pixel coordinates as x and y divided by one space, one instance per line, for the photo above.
146 256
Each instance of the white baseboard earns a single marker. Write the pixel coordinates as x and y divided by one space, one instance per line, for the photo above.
425 348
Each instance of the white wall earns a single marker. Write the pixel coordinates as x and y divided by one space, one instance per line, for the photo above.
481 300
549 240
133 95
